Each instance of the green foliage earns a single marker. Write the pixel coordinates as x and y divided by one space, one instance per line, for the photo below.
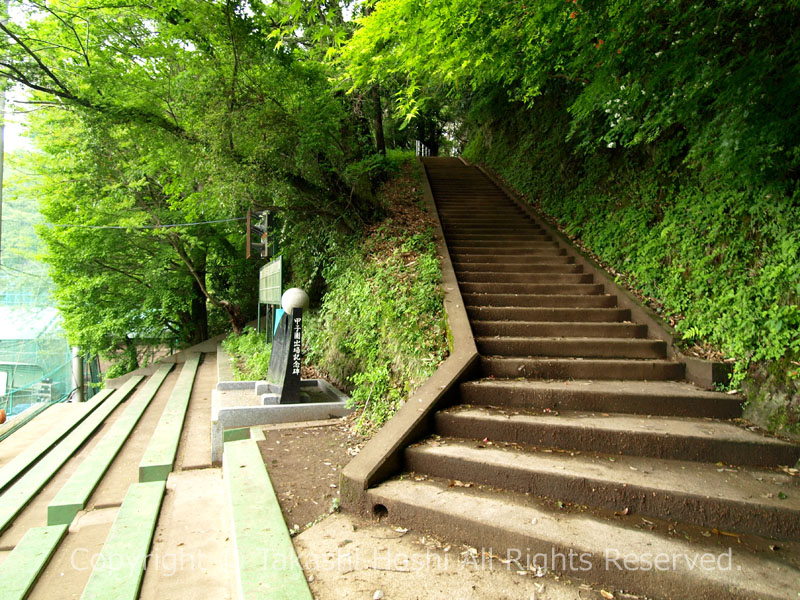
23 280
380 331
713 83
249 354
182 112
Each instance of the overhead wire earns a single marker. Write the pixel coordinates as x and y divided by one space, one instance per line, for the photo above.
163 226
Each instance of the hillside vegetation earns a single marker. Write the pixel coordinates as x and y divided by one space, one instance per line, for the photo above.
662 135
379 329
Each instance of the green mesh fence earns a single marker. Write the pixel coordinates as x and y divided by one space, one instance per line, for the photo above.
35 357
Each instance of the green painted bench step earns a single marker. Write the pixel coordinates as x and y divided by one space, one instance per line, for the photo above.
159 457
119 568
15 467
22 567
76 492
267 565
26 487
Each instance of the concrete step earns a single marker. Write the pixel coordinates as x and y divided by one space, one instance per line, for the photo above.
259 529
572 347
75 493
558 329
555 256
494 228
490 246
588 368
575 315
28 485
529 288
499 223
484 214
159 457
493 277
458 251
698 440
666 398
582 545
457 235
477 192
127 544
542 300
743 500
517 268
27 560
25 459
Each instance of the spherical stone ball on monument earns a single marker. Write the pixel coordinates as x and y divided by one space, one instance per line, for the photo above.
294 298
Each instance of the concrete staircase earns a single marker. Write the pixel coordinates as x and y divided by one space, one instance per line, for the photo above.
579 435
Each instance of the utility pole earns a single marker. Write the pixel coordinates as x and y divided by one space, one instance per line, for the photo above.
2 139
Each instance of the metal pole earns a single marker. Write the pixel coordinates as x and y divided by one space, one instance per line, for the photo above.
2 139
77 373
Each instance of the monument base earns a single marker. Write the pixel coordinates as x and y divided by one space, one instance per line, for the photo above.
237 404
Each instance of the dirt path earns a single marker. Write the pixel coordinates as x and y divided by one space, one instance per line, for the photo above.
346 558
303 461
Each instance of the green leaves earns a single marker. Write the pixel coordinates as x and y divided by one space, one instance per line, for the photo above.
178 112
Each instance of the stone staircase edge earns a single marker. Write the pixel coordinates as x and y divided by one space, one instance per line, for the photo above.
382 456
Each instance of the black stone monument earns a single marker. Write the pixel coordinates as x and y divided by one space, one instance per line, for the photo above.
286 357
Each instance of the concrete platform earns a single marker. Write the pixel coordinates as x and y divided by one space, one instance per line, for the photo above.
242 407
603 553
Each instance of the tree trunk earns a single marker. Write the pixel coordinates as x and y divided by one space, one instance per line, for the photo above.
380 141
131 354
199 315
199 307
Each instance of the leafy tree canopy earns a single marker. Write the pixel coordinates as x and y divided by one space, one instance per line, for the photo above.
718 80
164 113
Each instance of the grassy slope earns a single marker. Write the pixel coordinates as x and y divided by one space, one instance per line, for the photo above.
379 330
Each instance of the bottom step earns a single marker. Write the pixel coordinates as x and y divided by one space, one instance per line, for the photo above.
22 567
120 567
583 546
265 558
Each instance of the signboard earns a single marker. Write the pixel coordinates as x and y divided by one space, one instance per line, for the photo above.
270 282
